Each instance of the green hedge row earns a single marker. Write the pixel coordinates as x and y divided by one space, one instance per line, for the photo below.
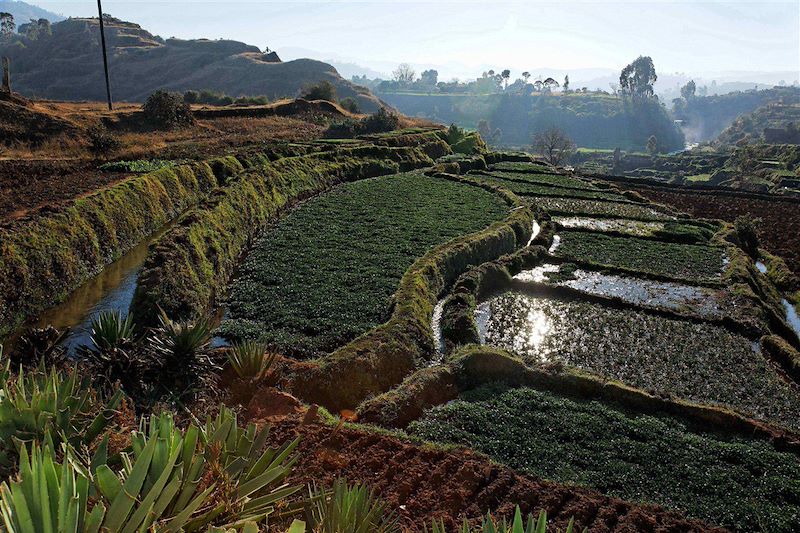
42 260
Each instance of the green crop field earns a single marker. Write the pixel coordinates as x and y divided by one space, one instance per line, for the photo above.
735 482
326 272
537 189
679 261
557 180
676 358
576 206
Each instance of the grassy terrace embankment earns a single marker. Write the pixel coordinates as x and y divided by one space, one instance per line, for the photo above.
731 481
45 257
192 263
327 271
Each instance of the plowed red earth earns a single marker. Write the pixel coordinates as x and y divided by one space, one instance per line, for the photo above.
423 483
780 226
28 185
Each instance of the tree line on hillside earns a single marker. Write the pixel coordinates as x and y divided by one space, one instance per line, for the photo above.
632 118
405 79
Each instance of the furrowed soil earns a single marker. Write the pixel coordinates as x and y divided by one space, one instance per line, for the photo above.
780 219
26 185
423 483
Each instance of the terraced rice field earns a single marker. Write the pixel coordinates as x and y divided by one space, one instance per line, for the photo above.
731 481
326 272
675 231
678 261
526 188
670 357
594 208
555 180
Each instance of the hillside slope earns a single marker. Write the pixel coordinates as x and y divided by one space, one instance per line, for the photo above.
591 120
775 123
705 117
68 66
23 12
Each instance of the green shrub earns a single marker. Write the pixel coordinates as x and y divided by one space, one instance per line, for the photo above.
167 110
180 342
40 346
350 104
323 90
746 227
381 121
102 143
191 97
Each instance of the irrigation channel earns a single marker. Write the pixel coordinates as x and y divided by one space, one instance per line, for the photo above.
110 290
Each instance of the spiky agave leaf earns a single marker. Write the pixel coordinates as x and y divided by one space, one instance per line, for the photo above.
250 359
350 509
180 341
38 401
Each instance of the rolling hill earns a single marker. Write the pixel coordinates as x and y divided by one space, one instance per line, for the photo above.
67 65
23 12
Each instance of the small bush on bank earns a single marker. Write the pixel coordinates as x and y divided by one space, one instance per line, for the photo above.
324 90
747 232
102 143
167 110
381 122
350 104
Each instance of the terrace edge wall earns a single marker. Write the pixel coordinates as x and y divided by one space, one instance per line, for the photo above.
44 259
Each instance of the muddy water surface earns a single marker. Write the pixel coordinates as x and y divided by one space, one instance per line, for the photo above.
111 290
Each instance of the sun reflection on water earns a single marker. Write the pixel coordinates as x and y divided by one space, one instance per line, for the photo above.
534 332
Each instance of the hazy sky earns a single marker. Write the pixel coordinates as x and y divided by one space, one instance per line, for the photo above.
691 37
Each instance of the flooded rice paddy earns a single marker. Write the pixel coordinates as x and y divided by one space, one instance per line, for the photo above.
673 357
635 291
635 228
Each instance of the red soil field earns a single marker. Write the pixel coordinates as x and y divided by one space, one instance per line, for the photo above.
780 218
423 483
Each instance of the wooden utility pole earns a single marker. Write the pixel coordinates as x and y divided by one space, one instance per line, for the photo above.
105 54
6 87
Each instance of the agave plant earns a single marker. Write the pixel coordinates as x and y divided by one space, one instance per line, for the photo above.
517 525
169 481
37 402
180 341
27 504
110 332
114 354
250 359
41 345
349 509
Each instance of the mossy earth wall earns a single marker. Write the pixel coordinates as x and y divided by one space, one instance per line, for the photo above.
45 258
190 265
382 357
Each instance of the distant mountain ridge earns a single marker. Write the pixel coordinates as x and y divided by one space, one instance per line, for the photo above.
68 66
24 12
